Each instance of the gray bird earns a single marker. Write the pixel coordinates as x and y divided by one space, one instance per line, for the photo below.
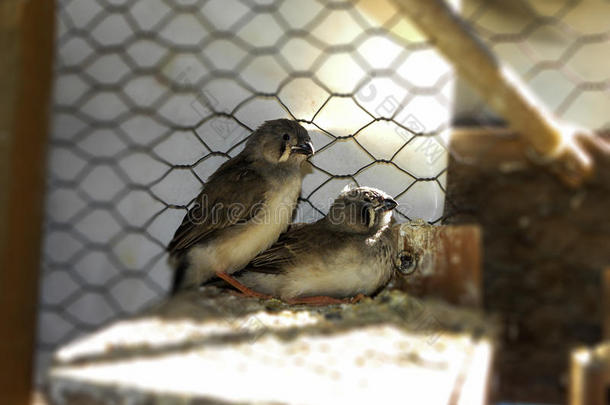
243 207
349 252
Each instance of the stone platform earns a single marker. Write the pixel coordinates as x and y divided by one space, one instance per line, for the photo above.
211 347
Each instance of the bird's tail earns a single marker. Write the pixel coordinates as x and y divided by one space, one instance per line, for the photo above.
179 276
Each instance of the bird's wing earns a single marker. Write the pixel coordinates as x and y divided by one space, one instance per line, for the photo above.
292 245
232 195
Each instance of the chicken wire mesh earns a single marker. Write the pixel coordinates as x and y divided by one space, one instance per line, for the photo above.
558 47
152 96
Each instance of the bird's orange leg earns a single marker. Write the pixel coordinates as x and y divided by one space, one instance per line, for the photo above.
323 300
242 288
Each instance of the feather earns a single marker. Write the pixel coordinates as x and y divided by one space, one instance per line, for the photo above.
338 256
222 203
287 250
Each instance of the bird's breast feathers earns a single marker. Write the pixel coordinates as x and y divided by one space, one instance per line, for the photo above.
240 243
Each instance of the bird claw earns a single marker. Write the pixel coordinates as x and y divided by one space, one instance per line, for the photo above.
357 298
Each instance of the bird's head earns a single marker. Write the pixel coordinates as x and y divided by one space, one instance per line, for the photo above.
362 209
281 142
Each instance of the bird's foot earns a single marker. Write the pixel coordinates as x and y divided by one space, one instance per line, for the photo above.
357 298
245 291
324 300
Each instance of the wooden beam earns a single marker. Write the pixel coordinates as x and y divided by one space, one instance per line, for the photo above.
606 303
589 376
502 89
447 262
26 50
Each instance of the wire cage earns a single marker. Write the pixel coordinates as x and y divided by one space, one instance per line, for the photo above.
152 96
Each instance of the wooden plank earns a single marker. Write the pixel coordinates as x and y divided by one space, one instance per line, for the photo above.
26 49
589 376
606 303
448 262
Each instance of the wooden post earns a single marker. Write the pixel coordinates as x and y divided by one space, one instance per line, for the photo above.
589 376
448 262
606 304
26 50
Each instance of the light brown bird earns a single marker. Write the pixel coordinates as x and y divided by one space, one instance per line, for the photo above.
243 208
348 253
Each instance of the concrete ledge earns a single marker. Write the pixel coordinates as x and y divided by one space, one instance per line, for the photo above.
210 347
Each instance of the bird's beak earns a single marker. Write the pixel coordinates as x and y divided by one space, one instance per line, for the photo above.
304 149
388 205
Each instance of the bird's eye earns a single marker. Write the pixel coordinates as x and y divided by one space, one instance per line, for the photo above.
286 137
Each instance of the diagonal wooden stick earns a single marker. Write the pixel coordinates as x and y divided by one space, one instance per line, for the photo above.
554 143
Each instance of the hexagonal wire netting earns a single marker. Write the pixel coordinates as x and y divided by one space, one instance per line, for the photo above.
152 96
